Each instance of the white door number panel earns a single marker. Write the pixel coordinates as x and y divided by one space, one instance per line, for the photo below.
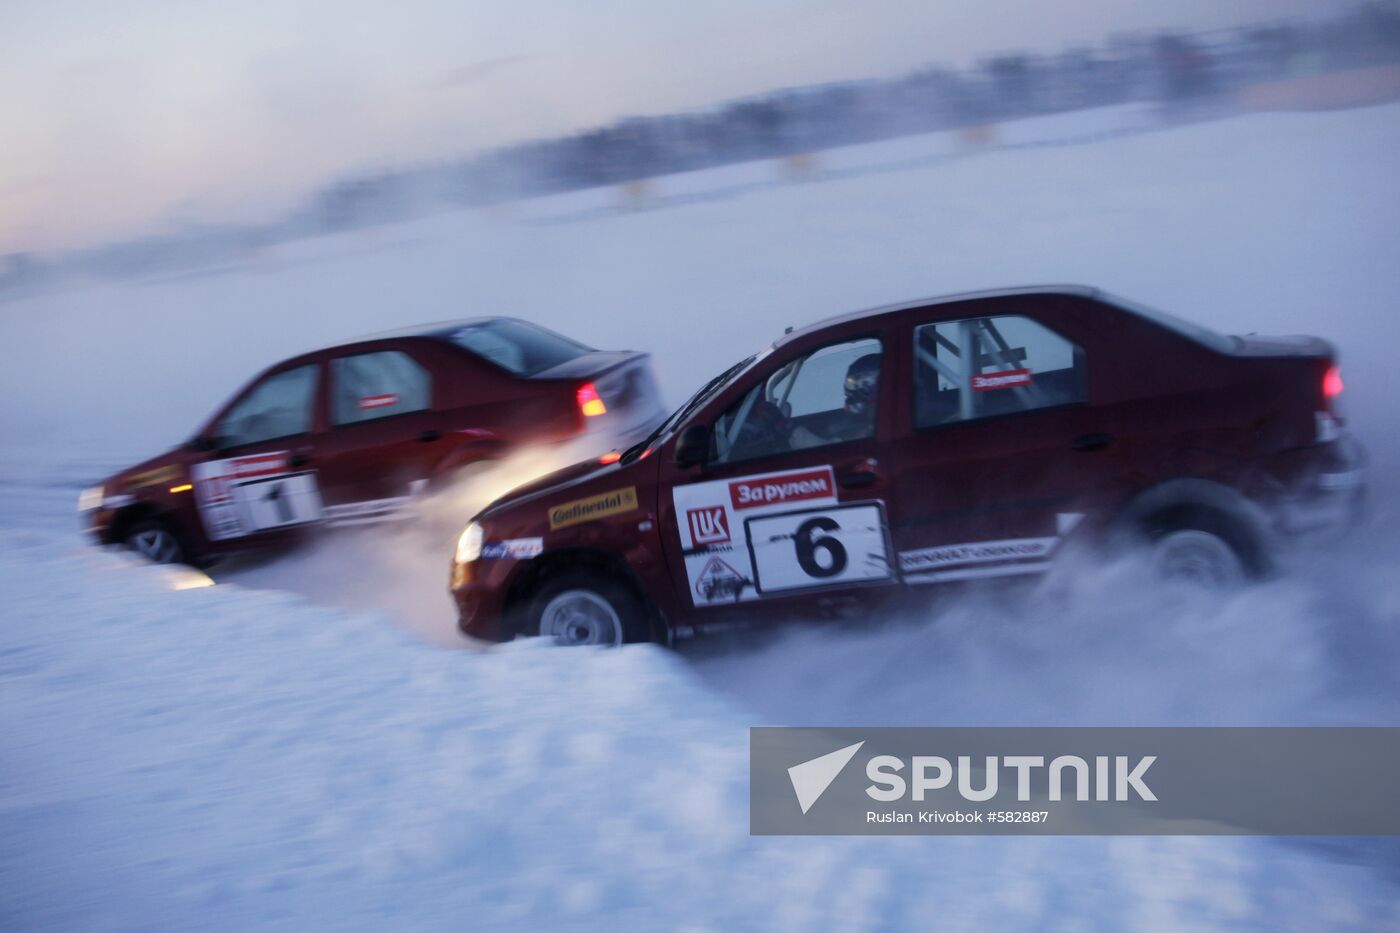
244 495
774 533
818 547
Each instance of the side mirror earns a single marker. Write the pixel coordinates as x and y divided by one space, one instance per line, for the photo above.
693 448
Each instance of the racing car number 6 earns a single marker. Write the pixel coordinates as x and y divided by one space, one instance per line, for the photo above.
818 547
808 544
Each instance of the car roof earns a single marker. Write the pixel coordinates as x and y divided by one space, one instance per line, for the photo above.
1081 291
433 329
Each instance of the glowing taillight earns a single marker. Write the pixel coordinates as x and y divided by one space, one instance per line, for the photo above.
1332 382
590 402
611 456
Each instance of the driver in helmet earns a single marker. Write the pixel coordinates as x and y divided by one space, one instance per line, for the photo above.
857 418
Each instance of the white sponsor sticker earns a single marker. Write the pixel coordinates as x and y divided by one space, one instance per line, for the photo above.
513 549
976 552
240 496
774 533
825 546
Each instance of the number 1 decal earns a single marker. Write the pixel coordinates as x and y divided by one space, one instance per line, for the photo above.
279 502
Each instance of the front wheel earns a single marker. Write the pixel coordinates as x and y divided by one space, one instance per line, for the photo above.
154 540
586 609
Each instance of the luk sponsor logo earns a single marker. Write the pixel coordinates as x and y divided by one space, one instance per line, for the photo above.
777 490
594 507
708 525
377 401
1006 380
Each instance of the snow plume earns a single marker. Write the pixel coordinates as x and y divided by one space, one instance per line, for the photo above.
1094 646
400 567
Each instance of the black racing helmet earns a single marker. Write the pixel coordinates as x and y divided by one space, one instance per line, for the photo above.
862 383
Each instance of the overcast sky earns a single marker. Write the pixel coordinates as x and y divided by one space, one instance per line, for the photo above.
123 116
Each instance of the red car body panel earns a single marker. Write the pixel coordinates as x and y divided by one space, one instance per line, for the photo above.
1160 412
366 470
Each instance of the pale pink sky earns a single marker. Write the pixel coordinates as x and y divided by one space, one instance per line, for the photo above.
143 115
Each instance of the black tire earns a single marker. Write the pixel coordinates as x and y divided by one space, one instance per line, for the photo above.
156 541
583 608
1191 545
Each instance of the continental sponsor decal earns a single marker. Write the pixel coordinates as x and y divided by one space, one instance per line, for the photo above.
157 477
594 507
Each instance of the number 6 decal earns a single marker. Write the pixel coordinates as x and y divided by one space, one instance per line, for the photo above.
808 545
838 544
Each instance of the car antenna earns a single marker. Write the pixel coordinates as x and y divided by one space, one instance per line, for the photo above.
788 330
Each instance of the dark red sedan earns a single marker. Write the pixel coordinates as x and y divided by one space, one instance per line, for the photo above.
976 436
353 433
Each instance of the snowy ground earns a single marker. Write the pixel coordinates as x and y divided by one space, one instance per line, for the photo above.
285 748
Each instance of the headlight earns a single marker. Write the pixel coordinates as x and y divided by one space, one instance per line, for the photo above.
469 545
90 498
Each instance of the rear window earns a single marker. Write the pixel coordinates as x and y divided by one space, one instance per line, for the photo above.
1202 335
522 348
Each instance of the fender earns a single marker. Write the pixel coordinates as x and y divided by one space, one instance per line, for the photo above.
141 510
1193 492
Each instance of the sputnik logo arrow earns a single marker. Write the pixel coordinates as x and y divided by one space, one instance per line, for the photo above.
811 778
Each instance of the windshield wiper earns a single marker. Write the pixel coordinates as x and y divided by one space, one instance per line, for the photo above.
680 414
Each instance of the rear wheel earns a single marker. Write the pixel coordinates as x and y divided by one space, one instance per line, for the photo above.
1201 558
1203 547
587 609
155 541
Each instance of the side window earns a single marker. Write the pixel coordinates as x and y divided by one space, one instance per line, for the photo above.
376 385
279 406
992 366
825 397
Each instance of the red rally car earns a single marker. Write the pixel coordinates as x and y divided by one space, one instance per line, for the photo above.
966 437
352 433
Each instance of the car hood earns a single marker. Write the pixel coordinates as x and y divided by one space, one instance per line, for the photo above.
165 467
579 474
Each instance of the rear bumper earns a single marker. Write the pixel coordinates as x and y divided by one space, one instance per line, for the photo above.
1325 491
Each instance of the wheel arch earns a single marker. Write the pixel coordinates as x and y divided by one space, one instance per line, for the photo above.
1194 502
528 580
128 516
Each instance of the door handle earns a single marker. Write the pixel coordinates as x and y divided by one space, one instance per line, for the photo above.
298 460
1085 443
430 435
861 475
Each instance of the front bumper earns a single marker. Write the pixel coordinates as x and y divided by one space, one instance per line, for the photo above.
479 592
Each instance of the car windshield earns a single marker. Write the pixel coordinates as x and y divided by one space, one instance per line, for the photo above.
696 400
522 348
1203 335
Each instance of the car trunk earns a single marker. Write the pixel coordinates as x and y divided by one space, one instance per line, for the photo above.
622 382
